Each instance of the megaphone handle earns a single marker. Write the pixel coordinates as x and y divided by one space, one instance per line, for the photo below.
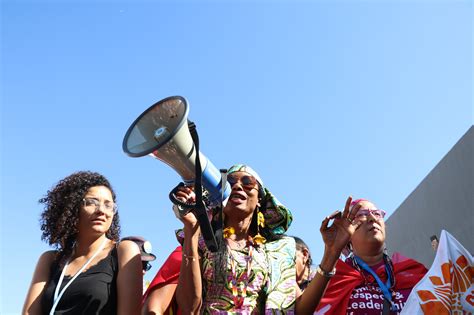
184 207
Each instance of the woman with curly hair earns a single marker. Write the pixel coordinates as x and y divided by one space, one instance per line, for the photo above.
90 272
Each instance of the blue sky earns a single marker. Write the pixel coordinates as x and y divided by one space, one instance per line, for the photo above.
322 98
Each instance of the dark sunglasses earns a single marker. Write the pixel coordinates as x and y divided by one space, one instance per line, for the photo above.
248 182
146 266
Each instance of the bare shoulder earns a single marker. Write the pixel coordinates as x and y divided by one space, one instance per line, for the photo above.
47 257
128 245
127 249
44 265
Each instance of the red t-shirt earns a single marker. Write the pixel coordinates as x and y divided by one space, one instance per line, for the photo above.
347 292
368 299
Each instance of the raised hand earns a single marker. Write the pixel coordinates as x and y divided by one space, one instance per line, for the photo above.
338 235
186 194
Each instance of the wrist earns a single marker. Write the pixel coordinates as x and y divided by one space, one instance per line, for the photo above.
325 273
329 261
330 257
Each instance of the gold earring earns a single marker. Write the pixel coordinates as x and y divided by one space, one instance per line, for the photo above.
228 232
259 239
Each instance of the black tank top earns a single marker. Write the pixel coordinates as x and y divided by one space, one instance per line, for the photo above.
92 292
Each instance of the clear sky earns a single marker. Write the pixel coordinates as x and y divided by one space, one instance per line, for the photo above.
322 98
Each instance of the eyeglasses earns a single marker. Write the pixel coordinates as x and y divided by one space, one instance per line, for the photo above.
93 204
146 266
248 182
364 213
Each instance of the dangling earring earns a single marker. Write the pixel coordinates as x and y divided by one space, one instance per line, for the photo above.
259 239
228 232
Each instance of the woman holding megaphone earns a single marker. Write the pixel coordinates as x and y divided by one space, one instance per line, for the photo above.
253 270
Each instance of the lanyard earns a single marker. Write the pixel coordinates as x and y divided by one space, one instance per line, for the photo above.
384 287
57 294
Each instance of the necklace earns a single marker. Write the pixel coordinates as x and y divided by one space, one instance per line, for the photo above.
243 279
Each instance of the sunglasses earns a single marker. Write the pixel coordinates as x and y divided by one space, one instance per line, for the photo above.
248 182
364 213
146 266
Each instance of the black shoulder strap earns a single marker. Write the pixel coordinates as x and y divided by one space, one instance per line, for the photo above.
200 210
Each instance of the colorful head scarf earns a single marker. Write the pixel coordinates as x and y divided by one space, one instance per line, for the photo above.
278 218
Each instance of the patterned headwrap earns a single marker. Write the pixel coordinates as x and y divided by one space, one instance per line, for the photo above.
278 218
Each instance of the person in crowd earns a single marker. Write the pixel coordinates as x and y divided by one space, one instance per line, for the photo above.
303 262
90 272
434 242
253 270
369 281
160 298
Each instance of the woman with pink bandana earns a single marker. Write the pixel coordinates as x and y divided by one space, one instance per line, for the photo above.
368 281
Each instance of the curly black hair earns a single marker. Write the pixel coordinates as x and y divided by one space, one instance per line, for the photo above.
62 204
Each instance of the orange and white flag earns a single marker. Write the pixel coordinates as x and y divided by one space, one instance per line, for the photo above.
448 287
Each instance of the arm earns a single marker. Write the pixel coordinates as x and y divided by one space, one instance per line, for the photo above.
307 302
335 238
160 294
189 290
32 303
129 279
158 300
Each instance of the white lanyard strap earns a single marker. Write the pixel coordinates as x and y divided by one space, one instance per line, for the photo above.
57 294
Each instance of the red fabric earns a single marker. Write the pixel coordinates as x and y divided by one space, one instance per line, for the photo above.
168 273
407 273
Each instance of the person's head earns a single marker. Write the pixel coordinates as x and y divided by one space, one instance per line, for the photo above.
145 251
303 260
248 197
83 202
434 242
369 238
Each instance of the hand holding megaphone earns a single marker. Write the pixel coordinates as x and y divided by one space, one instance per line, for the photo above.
185 195
183 198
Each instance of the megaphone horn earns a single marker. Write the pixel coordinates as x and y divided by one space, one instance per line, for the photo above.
162 132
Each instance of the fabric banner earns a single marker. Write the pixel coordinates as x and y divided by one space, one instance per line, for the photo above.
447 288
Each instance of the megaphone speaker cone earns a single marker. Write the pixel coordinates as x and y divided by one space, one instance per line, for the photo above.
155 126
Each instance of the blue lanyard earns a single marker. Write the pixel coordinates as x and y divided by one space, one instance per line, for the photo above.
384 287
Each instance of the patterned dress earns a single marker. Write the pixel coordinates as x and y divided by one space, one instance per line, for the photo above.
267 287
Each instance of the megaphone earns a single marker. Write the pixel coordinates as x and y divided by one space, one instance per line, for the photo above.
162 132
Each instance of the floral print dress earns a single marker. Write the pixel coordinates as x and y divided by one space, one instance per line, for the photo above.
259 279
